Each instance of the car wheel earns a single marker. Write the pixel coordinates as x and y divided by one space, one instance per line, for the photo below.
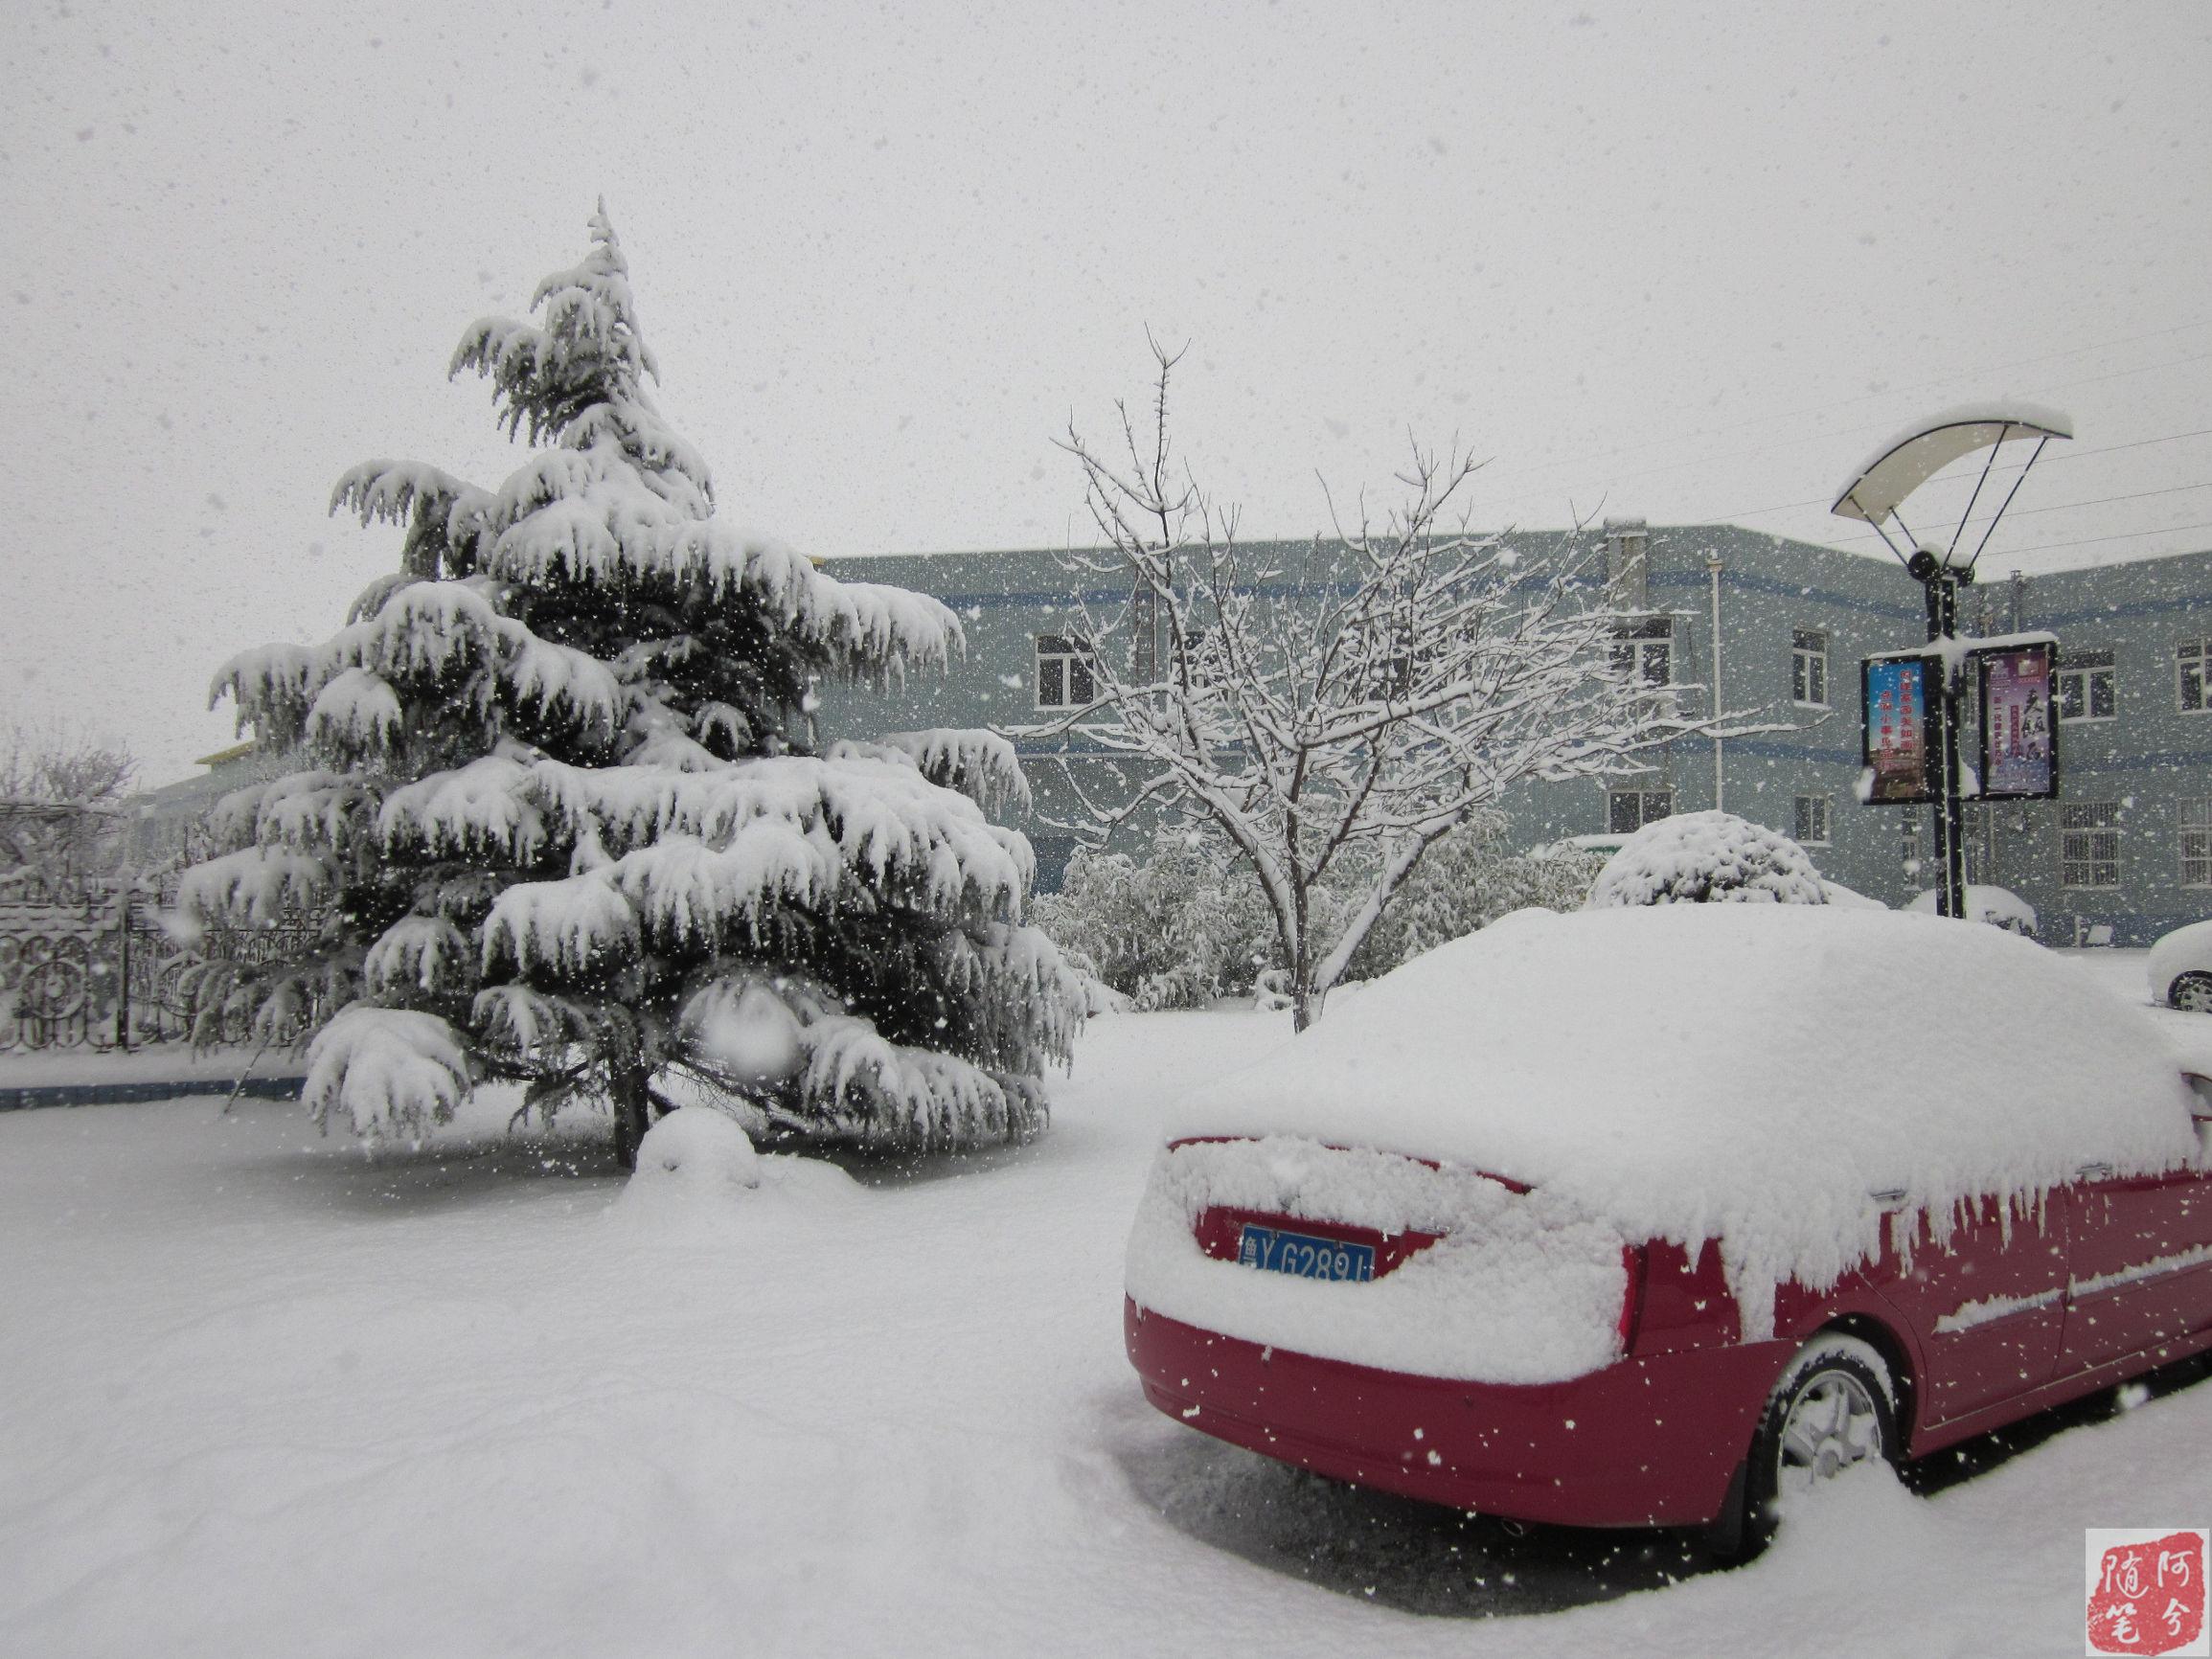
1834 1408
2191 991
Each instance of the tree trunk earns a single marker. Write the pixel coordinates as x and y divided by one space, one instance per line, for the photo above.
628 1086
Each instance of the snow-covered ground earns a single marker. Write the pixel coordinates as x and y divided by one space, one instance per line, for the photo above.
259 1394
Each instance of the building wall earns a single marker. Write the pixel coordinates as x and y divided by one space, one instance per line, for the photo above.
2147 761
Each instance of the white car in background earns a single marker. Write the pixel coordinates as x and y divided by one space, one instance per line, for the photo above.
2181 968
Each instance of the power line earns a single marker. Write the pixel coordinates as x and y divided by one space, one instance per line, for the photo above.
1961 477
2123 373
1885 391
1869 397
2062 506
2117 535
1837 433
2065 455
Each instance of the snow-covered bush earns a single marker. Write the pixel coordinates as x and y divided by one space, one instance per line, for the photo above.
1465 883
564 821
1175 930
1707 858
698 1151
1998 906
1187 924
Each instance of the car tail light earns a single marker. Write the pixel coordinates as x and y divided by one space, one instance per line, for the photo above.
1633 1294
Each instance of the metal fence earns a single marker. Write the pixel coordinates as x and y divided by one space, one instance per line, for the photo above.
85 964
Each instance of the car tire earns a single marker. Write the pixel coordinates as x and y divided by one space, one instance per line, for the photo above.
1834 1408
2190 993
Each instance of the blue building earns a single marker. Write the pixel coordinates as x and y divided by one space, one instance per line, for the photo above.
1778 627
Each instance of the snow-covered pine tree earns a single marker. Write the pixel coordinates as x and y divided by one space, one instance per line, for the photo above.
566 822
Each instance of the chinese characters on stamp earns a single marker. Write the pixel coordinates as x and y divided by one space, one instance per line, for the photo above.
2145 1591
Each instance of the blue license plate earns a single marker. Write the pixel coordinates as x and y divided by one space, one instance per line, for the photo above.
1301 1255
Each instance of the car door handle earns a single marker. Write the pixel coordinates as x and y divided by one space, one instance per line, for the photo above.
2092 1172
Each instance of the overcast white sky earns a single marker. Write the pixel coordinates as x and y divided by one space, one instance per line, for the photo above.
1686 262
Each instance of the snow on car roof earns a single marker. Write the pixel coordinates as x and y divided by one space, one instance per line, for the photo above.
1750 1074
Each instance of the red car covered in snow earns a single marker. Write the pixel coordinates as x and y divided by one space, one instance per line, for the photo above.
1646 1217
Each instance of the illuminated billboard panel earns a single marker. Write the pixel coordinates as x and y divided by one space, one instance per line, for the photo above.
1897 729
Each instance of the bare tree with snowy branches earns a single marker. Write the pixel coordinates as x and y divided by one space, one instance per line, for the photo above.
1337 721
64 764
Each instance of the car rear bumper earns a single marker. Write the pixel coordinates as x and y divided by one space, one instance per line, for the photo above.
1650 1440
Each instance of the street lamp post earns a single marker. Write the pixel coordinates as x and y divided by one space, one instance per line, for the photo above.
1939 585
1877 490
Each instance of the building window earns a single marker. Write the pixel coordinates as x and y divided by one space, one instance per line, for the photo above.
1063 673
2197 843
1809 669
2089 844
2189 659
1813 820
2084 687
1629 811
1645 651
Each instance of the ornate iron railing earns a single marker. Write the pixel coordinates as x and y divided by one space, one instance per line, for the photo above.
85 964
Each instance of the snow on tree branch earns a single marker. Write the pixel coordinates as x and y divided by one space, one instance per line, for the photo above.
1337 721
256 887
562 802
980 765
391 1071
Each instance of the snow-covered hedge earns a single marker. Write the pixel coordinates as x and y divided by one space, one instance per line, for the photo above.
1175 929
1188 923
1707 858
1466 882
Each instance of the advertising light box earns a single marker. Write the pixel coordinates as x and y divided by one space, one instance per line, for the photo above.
1896 729
2020 735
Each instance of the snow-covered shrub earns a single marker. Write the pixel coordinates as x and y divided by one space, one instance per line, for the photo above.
1187 923
1175 930
562 822
700 1152
1707 858
1998 906
1465 883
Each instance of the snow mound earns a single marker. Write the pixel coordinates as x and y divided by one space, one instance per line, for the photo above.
1748 1074
1850 898
699 1152
1998 906
1707 858
697 1173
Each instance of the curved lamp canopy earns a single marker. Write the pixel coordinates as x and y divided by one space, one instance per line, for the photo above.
1917 454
